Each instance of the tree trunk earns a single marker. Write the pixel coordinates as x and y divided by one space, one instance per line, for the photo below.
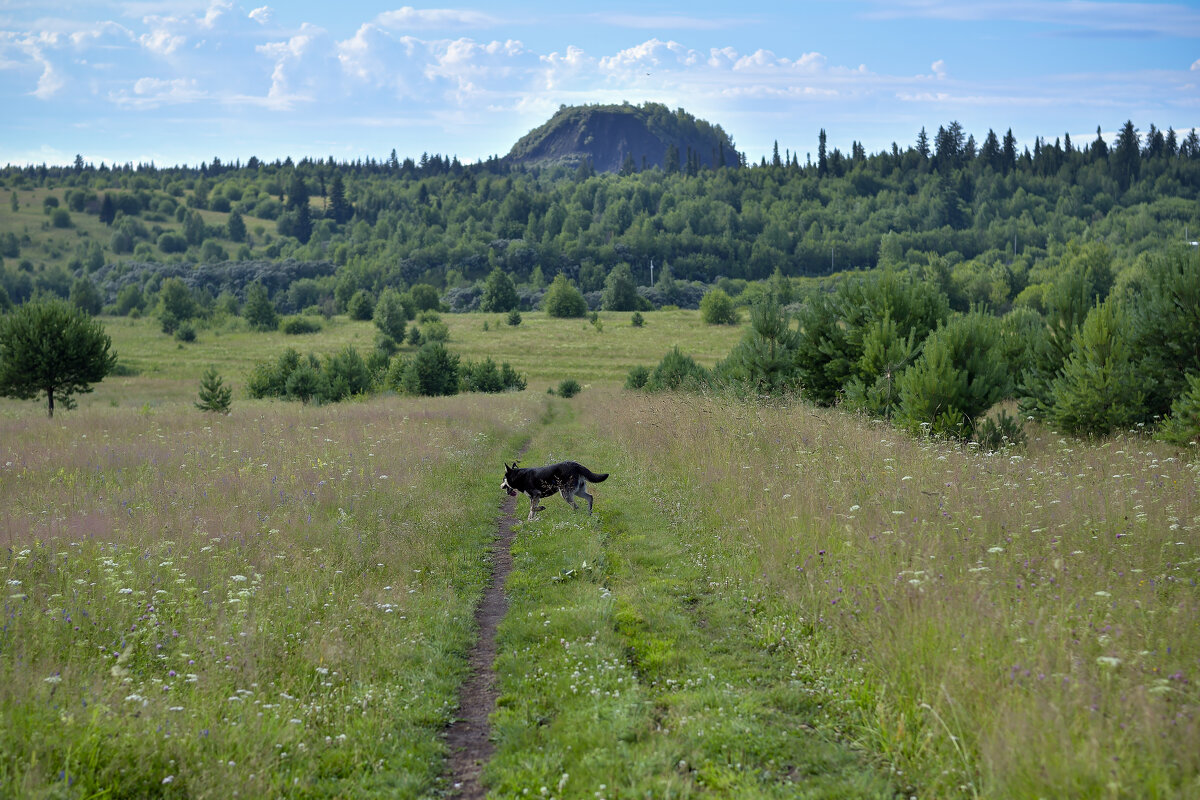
50 396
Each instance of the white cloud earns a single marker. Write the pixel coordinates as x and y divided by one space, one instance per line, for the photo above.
291 70
661 21
162 42
261 15
939 69
409 17
154 92
29 52
1196 65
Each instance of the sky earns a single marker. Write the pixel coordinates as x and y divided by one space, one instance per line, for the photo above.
178 82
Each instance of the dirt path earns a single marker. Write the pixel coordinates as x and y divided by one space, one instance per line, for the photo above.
469 737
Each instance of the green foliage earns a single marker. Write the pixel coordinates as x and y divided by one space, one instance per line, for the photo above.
716 308
620 291
235 227
677 371
1098 390
959 375
299 325
61 218
50 347
563 300
171 242
1182 427
764 362
637 320
258 309
176 300
215 396
499 293
424 298
361 305
875 389
389 315
485 376
130 298
346 374
568 387
305 383
513 318
999 432
435 331
85 296
185 332
432 371
637 378
1164 320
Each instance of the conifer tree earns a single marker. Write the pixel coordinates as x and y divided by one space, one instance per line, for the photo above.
214 394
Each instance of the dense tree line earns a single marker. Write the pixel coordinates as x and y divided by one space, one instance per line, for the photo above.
982 218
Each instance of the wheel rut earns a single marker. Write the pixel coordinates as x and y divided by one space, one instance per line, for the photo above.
469 737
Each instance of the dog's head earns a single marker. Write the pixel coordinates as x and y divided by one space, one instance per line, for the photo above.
509 472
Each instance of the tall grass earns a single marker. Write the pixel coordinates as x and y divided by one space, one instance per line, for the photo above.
273 603
1004 625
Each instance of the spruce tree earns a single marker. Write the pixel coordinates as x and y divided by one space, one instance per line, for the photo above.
214 394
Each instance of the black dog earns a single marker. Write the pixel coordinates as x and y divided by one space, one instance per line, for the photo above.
566 477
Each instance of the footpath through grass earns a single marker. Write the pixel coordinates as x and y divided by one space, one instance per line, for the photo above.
273 604
633 659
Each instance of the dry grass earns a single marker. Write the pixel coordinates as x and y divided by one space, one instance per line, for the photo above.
1005 625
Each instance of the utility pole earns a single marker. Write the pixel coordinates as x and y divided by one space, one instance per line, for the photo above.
652 272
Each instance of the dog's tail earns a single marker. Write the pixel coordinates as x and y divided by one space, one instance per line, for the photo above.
591 476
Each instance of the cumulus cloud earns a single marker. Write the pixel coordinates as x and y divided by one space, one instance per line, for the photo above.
939 69
293 73
261 15
30 53
154 92
1196 65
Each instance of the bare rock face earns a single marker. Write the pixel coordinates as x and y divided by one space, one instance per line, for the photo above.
616 137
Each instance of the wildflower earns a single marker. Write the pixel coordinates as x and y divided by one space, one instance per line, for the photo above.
855 508
168 779
238 578
1108 661
996 549
53 679
1103 594
125 591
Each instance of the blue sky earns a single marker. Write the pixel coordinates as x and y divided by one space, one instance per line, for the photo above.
183 82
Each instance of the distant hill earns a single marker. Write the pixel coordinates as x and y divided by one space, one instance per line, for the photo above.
616 136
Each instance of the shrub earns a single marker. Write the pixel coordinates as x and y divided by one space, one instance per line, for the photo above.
361 306
432 371
514 318
637 377
999 432
499 293
716 308
389 315
569 387
186 332
258 309
61 218
295 326
435 331
305 383
959 376
485 376
637 320
563 300
765 360
676 371
346 374
1183 426
171 242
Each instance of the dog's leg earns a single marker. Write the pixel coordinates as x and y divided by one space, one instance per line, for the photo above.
569 496
582 492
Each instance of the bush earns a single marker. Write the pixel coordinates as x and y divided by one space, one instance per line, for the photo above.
432 371
514 318
435 331
295 326
1183 426
960 375
61 218
485 376
637 320
569 387
499 293
185 332
716 308
677 371
563 300
765 360
999 432
389 315
637 377
258 309
346 374
171 242
361 305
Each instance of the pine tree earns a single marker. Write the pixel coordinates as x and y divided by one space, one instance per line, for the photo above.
214 394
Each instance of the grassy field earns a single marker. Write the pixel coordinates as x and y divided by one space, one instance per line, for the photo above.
544 349
769 601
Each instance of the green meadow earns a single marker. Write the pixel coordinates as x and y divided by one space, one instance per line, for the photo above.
770 600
